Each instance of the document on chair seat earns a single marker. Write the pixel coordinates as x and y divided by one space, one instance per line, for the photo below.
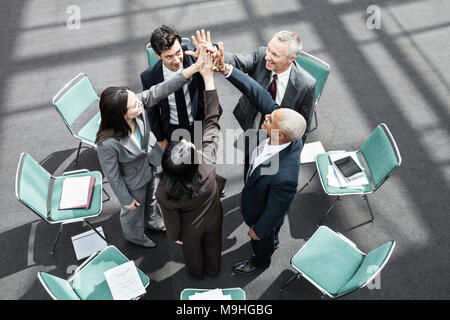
335 179
215 294
76 192
124 281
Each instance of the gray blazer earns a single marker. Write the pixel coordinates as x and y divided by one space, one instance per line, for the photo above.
299 95
126 165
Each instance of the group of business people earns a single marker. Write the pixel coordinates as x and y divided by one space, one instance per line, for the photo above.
141 131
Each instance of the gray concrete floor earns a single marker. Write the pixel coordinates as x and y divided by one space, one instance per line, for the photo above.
396 74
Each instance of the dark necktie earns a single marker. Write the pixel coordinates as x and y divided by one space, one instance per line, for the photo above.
273 92
183 118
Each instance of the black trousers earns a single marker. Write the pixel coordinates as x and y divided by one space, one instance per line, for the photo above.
264 248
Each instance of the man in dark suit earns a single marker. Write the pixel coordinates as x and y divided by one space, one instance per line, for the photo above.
181 109
274 67
271 182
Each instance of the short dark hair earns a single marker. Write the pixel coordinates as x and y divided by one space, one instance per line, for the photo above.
180 172
163 38
113 107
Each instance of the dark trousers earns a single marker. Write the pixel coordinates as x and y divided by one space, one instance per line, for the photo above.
264 248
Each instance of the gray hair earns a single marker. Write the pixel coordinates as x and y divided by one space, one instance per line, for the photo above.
292 40
293 124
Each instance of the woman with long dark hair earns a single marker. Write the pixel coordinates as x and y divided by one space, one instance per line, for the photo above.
129 153
188 191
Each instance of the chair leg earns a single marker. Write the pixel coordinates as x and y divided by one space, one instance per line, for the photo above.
297 275
329 210
309 181
315 118
57 238
78 153
92 227
368 205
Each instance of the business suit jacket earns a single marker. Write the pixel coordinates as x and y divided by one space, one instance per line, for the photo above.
126 166
198 221
159 115
266 198
299 95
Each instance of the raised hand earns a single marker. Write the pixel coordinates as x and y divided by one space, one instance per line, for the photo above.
219 60
201 38
206 69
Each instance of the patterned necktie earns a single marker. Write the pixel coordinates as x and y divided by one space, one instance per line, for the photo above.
273 92
273 87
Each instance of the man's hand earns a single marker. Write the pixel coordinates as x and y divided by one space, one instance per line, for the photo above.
133 205
201 38
179 242
164 143
252 234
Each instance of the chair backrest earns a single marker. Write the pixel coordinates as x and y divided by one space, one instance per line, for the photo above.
152 57
381 154
89 283
74 98
57 288
32 185
370 267
316 68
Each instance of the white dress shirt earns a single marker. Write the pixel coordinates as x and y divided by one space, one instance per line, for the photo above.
263 152
167 74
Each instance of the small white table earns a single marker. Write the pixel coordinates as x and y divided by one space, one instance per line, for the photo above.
308 155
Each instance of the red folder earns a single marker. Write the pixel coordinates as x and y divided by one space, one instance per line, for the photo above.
88 204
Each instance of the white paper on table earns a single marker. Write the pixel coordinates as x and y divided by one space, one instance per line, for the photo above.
215 294
75 192
310 151
124 281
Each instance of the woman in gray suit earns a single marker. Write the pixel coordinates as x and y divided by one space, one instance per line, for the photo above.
129 153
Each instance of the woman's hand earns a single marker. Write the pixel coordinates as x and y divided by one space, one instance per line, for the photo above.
201 38
179 242
207 72
133 205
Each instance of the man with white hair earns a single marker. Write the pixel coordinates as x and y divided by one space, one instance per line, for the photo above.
272 179
274 67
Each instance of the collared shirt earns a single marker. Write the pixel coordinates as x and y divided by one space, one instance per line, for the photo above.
167 74
282 82
263 152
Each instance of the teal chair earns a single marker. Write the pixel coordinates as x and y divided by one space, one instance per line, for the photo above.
35 186
71 102
152 57
236 293
335 265
317 68
379 152
88 281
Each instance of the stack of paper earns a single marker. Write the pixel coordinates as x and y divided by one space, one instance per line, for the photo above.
124 281
215 294
77 192
336 179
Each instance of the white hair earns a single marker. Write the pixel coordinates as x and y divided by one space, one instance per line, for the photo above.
293 41
293 125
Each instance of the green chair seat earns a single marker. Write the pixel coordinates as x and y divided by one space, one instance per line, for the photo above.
68 214
327 260
90 282
236 293
89 131
323 161
335 265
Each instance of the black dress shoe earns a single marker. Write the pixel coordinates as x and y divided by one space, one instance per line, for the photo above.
245 266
